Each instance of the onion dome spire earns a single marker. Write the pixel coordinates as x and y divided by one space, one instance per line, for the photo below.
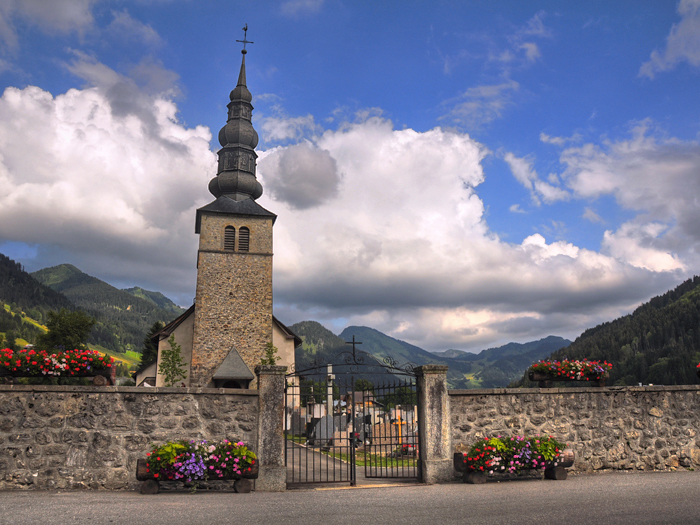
235 177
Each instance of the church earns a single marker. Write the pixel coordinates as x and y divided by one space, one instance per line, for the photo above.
225 333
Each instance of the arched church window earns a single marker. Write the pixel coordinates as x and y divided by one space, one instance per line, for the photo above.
244 239
229 238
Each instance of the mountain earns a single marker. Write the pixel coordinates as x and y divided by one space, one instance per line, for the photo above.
123 317
490 368
450 354
658 343
24 297
20 289
157 299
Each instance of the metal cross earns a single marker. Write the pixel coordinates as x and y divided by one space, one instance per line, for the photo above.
353 343
245 40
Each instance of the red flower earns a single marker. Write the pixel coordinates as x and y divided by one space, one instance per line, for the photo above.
155 475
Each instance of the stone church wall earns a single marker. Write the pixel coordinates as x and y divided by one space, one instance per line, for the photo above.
624 428
233 298
68 437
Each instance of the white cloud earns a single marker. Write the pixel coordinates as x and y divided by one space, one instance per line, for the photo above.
657 178
126 27
281 128
404 247
395 233
590 215
532 51
52 16
635 244
515 208
682 43
301 7
481 104
112 188
535 27
559 141
302 175
525 174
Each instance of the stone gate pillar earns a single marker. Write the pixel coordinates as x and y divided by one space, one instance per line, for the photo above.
271 443
434 424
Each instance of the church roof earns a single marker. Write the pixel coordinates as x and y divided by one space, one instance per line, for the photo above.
233 367
287 332
169 328
235 177
228 206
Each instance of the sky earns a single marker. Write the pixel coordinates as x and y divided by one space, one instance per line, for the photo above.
453 174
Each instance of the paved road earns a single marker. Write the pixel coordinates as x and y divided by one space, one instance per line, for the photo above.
642 498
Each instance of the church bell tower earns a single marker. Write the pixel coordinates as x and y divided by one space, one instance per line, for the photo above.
233 304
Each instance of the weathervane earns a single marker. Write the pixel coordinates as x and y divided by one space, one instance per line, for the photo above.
245 40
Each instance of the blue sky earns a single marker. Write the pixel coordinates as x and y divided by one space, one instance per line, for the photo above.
455 174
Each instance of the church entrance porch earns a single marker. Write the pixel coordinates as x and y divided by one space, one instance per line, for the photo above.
353 421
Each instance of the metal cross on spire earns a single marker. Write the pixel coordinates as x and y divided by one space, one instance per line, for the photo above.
245 39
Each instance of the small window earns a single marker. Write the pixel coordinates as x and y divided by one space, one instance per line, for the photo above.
244 239
230 238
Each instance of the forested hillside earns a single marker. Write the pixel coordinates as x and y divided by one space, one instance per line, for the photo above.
24 297
24 293
123 318
658 343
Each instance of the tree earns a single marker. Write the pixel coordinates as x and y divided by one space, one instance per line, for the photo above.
362 385
171 364
67 330
271 356
10 338
149 353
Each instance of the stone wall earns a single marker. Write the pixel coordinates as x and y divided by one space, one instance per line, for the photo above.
71 437
627 428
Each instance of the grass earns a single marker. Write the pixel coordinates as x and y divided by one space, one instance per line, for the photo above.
27 319
129 358
363 459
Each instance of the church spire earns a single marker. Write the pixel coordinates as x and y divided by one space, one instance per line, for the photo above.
235 177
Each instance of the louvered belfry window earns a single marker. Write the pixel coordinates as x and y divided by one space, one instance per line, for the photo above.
229 238
244 239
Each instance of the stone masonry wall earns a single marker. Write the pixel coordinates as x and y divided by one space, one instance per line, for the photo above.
626 428
233 297
71 437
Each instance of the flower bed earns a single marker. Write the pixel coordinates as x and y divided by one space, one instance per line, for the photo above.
513 455
64 363
546 371
193 462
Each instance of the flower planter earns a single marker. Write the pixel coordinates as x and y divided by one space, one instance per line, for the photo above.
151 485
546 380
551 471
103 377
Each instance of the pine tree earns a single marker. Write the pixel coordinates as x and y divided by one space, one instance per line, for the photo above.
149 354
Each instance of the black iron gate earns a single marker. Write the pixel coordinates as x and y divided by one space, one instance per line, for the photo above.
352 419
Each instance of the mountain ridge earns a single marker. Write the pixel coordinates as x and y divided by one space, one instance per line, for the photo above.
124 317
321 345
658 343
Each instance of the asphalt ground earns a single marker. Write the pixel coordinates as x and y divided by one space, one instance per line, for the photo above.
610 498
